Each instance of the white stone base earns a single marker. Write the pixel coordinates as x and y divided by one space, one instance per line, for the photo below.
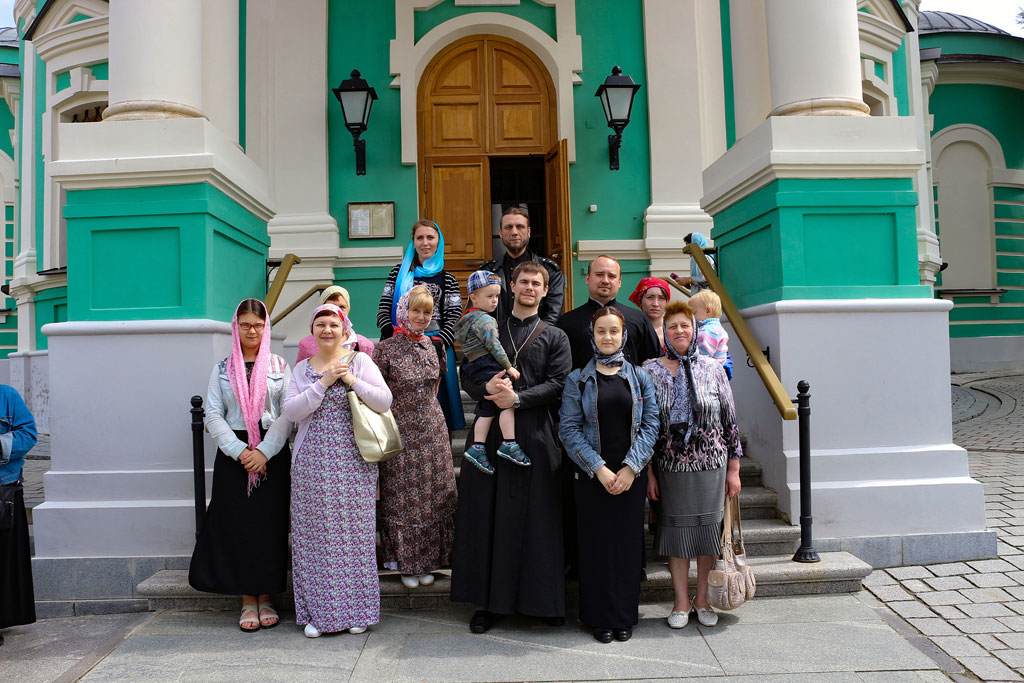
883 460
30 375
120 483
984 354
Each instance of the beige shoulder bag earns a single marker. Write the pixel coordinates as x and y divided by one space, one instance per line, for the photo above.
376 433
731 580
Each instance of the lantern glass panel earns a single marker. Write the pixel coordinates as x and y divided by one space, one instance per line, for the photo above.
604 103
353 106
619 103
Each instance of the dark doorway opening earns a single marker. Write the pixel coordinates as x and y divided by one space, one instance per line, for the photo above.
518 181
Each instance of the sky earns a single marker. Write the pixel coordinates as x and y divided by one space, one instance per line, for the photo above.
999 13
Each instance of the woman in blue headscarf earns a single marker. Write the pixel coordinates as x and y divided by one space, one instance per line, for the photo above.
697 281
423 264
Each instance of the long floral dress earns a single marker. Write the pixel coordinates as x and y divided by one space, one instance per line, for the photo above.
334 563
417 489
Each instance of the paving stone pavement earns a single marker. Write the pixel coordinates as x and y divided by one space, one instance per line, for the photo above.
974 611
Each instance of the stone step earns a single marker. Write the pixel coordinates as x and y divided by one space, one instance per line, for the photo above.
838 572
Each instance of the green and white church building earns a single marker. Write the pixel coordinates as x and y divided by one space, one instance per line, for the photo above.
838 153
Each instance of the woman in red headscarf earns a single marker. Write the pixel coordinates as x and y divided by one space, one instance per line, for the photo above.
651 296
243 545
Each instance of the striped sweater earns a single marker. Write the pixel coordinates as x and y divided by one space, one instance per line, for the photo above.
712 339
477 332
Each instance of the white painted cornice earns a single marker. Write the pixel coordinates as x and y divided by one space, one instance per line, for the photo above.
626 250
159 152
10 90
929 75
879 32
816 306
25 9
1003 74
122 327
368 257
71 38
23 289
813 147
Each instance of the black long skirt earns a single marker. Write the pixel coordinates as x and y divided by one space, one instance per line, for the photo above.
242 548
17 600
610 541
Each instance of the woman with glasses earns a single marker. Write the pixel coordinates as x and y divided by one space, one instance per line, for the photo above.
242 548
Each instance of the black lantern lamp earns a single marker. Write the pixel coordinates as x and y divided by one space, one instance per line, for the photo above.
356 97
616 95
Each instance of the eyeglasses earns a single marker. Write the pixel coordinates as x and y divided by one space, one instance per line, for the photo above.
252 326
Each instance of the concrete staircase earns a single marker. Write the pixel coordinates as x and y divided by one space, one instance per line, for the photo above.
770 543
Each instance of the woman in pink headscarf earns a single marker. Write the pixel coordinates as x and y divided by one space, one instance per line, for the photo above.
334 560
651 296
243 545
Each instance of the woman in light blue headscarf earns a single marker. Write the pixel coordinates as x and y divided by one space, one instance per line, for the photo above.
423 264
697 281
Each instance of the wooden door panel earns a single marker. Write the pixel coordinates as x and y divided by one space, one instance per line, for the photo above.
456 126
559 216
458 200
519 125
511 73
460 74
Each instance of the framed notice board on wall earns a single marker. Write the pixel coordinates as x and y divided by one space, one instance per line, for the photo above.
371 220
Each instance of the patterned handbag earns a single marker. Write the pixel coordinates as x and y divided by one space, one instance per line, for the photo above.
731 581
376 434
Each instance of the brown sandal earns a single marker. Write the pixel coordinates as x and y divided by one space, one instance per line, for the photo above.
254 619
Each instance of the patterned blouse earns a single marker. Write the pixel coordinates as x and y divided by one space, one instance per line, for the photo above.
443 287
710 447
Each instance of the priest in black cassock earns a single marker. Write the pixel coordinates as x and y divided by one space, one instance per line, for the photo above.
508 556
604 278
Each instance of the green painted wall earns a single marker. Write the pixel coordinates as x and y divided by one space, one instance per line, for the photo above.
785 240
996 109
39 103
242 33
975 44
203 253
727 74
529 10
51 307
900 79
8 55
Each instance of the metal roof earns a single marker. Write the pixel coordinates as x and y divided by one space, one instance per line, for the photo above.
947 22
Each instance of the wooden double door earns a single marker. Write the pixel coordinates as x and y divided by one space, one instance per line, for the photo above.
486 112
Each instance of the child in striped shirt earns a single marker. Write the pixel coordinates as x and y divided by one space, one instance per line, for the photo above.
712 339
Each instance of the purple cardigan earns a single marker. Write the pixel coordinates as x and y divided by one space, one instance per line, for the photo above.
304 396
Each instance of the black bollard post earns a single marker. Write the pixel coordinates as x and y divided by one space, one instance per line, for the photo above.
198 460
806 551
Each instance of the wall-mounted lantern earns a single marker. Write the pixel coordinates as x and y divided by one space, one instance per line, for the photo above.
616 95
356 98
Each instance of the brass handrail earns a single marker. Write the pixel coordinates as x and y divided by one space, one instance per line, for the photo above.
298 302
771 381
274 293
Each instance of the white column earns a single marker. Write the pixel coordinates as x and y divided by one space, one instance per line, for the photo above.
814 58
677 128
220 65
156 59
750 82
25 261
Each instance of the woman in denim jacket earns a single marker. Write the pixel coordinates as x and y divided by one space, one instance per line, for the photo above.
608 425
17 437
242 548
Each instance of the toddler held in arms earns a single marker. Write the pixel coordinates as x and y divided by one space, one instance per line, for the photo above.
477 332
712 339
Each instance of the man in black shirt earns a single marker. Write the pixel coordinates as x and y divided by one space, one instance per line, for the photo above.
604 278
515 235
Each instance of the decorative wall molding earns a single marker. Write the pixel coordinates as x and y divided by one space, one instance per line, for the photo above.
1002 74
563 57
967 132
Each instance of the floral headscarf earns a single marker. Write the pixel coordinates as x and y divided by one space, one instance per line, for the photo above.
402 318
251 391
696 408
346 324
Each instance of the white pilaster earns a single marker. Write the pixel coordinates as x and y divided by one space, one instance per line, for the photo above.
25 261
814 58
220 65
677 68
156 59
750 81
921 83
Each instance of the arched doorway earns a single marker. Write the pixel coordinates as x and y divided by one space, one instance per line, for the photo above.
488 139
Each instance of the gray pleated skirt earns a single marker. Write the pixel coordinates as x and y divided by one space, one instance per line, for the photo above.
692 507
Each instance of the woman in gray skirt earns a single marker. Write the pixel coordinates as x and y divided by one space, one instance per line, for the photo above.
696 460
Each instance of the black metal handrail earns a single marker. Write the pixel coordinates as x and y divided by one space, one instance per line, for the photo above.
198 460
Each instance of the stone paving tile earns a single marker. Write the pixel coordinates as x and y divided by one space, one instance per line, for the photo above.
934 627
879 577
913 609
986 594
891 593
959 646
980 625
1016 623
991 580
1013 640
918 586
991 566
941 598
1014 658
948 611
950 569
987 609
948 583
989 669
988 641
912 572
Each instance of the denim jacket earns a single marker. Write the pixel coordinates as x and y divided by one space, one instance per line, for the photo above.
224 415
17 434
578 428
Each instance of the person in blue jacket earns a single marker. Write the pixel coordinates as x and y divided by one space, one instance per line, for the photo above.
17 437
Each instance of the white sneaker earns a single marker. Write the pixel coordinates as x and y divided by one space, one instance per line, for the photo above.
410 581
679 619
311 631
426 579
707 616
356 630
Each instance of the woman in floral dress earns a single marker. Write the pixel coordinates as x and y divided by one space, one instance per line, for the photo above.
334 564
417 488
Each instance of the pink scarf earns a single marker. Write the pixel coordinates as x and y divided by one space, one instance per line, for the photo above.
252 393
346 324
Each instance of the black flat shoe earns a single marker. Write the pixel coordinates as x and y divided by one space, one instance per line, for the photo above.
481 621
622 634
553 621
602 635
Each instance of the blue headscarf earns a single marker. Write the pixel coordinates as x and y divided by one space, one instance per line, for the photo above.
406 273
700 240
